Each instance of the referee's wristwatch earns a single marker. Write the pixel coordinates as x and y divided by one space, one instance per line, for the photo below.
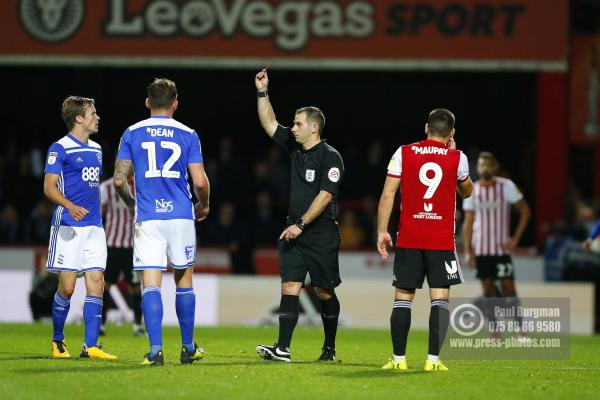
262 94
300 224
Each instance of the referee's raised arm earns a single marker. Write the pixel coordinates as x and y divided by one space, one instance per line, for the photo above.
265 110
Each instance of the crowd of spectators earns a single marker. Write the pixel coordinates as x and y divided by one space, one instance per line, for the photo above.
249 197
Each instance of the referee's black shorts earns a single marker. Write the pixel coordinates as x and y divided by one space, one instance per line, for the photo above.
120 260
411 266
315 251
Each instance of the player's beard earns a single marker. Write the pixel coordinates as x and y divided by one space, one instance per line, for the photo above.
487 176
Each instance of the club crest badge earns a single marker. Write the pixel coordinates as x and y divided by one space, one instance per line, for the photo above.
334 174
189 253
52 20
52 157
310 175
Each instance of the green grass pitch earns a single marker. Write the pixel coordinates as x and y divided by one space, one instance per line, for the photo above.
231 369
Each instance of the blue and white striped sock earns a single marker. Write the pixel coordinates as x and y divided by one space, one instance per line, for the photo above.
92 317
152 308
60 309
185 305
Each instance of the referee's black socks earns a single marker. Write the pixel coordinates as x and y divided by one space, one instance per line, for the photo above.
288 318
330 314
438 326
400 325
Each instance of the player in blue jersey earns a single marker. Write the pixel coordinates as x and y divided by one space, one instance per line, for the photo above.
588 244
77 241
160 151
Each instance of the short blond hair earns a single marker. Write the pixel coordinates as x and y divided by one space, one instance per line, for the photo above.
72 107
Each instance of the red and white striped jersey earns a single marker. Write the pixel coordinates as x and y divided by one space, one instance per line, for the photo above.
491 210
118 225
428 173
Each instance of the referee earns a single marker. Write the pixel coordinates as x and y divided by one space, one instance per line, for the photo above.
311 241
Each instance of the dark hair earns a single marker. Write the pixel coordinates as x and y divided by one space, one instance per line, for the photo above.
440 122
486 155
313 116
72 107
162 93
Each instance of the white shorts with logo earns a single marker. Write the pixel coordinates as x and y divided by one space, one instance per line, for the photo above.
156 241
77 249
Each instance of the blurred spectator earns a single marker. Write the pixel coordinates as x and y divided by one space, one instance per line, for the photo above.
42 293
575 264
368 220
472 154
9 147
24 189
373 169
260 181
265 223
225 231
352 235
280 176
558 241
37 226
352 167
37 163
563 252
9 225
585 217
230 170
212 171
593 235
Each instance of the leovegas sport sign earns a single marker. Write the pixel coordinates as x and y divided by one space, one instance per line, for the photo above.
462 34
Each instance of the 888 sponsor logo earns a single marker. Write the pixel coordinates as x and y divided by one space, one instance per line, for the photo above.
91 175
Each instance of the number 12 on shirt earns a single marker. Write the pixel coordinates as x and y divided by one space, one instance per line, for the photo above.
153 171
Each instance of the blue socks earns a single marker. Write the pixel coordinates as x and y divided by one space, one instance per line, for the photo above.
152 308
92 316
185 305
60 309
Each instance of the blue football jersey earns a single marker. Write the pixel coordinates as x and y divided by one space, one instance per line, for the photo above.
79 167
161 149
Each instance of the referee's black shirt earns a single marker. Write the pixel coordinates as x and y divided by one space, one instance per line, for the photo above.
318 168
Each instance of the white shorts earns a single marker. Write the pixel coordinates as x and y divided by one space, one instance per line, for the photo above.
77 249
156 240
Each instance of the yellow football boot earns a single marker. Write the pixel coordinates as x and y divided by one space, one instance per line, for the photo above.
157 360
431 366
96 352
188 357
396 365
59 349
